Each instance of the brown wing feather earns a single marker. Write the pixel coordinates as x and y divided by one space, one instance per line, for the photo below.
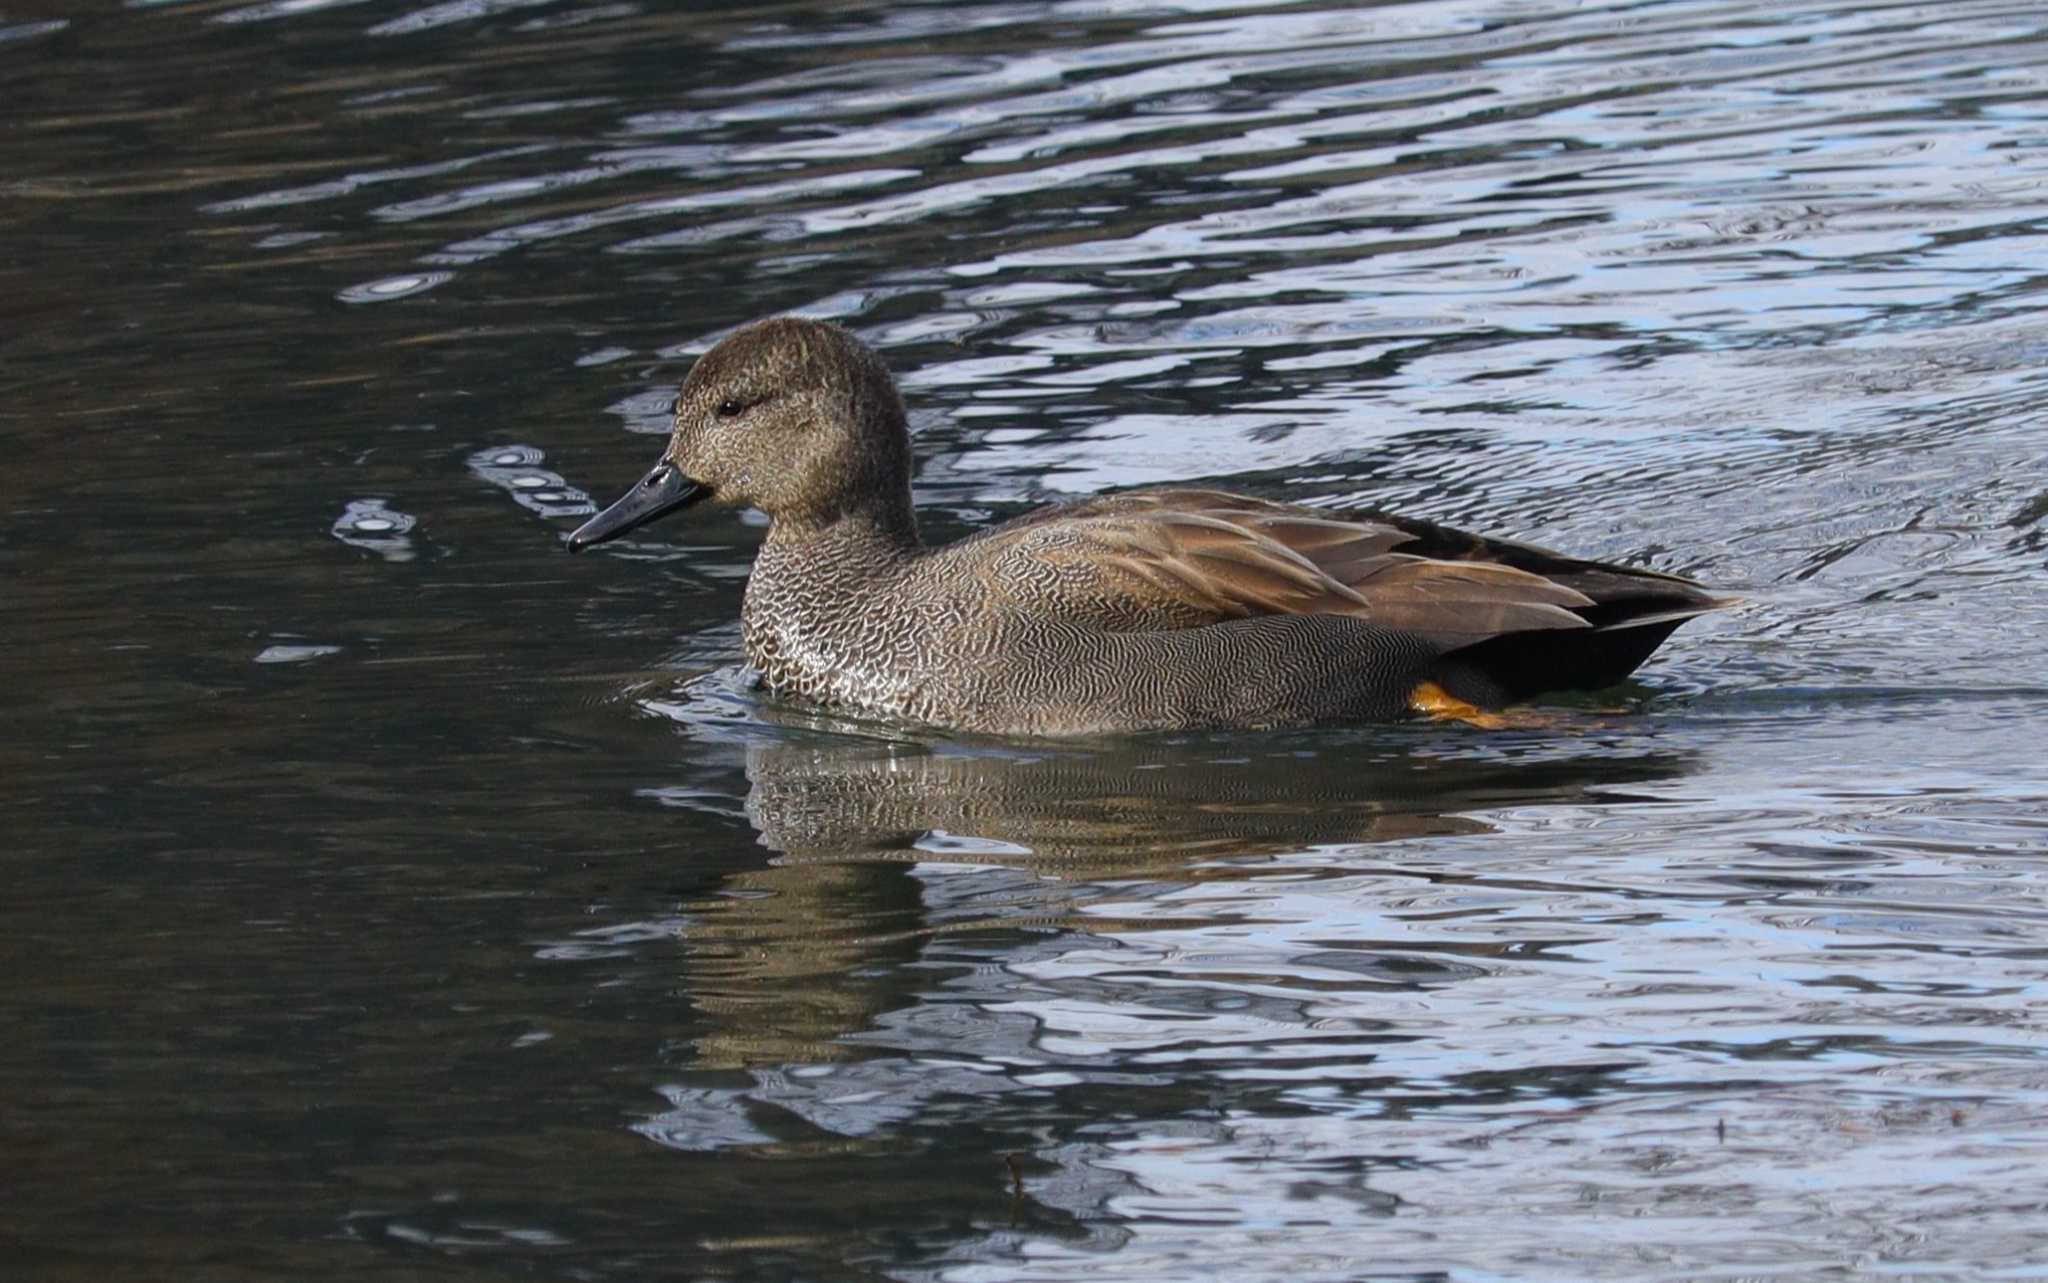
1462 601
1200 562
1180 558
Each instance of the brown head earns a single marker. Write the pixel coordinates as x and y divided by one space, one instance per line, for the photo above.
792 416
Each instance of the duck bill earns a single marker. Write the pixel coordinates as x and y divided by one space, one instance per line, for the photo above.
661 491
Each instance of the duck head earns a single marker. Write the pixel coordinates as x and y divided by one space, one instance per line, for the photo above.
792 416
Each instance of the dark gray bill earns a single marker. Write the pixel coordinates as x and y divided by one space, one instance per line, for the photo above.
662 490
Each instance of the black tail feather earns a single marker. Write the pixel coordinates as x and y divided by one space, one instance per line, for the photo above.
1519 666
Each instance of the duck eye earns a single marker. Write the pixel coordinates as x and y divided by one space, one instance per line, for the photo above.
729 408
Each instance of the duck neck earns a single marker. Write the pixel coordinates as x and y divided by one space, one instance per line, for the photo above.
851 544
814 590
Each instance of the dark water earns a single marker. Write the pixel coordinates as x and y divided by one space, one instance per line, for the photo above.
389 894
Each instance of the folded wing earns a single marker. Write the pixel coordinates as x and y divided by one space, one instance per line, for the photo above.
1183 558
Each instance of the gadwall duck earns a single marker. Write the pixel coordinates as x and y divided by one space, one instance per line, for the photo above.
1144 611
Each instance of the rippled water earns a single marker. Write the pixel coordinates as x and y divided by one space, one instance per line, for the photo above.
391 894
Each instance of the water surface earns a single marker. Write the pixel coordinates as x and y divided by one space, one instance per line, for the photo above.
392 895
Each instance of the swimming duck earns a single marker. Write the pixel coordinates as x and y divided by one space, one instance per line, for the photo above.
1151 610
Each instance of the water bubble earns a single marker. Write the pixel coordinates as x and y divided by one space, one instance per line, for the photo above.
293 654
513 469
374 526
392 287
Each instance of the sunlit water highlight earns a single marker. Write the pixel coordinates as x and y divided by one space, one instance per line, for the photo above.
392 894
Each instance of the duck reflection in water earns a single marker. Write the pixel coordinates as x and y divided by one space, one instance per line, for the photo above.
792 959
